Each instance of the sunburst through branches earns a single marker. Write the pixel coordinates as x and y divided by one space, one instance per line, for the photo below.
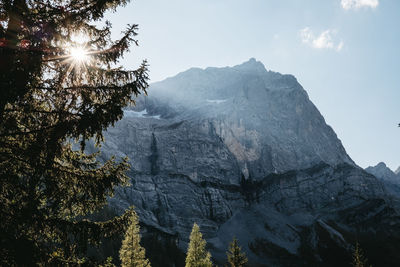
79 55
78 58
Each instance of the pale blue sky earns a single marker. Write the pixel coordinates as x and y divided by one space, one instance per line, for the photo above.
345 53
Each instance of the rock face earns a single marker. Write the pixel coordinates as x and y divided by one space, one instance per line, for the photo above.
243 152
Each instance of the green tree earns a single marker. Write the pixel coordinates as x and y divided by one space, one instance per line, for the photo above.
132 254
236 258
358 257
197 255
108 263
60 84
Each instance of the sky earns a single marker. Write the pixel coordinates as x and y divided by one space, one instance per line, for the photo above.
345 53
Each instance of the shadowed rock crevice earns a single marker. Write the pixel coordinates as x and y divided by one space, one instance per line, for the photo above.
153 158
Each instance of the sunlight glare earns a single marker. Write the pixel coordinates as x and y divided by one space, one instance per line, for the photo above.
79 54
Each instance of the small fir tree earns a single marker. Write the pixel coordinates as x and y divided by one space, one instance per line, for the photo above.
197 255
236 258
358 257
132 254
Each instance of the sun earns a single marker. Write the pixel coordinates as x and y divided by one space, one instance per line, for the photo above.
79 55
79 59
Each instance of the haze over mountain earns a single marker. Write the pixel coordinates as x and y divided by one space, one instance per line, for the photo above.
243 152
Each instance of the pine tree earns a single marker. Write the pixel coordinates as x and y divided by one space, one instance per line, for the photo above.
197 255
132 254
358 257
56 90
108 263
235 256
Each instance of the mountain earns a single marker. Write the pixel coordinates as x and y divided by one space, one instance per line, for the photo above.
397 171
243 152
390 179
265 119
383 172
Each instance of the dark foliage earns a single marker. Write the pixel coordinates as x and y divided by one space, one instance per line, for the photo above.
162 249
49 100
236 258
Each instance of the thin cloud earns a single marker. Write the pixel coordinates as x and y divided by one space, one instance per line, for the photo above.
324 40
356 4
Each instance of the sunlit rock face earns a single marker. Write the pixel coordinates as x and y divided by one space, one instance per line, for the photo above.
243 152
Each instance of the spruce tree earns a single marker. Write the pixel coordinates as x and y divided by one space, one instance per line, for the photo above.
358 257
132 254
236 258
197 255
108 263
57 89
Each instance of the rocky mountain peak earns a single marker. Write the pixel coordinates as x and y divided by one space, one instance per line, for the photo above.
197 85
382 166
383 172
265 119
252 65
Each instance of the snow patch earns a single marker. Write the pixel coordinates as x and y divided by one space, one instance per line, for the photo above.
216 101
140 114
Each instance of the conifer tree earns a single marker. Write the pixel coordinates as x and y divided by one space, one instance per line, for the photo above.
236 258
132 254
358 257
60 83
108 263
197 255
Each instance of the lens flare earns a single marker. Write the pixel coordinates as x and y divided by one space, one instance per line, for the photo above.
79 55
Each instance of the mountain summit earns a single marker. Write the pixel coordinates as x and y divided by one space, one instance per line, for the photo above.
265 119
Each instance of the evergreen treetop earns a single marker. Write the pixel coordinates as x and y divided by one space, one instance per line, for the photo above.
56 89
236 258
359 259
197 255
132 254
